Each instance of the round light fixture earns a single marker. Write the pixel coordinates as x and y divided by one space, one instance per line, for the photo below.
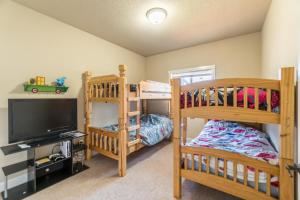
156 15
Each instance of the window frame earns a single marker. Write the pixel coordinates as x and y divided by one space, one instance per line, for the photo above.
191 70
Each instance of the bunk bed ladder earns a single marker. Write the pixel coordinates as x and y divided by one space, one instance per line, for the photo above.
133 101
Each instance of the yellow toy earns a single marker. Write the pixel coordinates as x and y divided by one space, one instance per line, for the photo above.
40 80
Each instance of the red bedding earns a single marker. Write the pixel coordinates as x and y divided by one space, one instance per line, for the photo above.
275 100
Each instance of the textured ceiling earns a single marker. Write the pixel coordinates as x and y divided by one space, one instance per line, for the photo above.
189 22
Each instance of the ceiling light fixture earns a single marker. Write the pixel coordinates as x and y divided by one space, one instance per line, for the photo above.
156 15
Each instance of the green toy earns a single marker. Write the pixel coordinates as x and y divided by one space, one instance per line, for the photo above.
45 88
38 84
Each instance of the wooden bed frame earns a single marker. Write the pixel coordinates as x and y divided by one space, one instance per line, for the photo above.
154 90
114 89
242 114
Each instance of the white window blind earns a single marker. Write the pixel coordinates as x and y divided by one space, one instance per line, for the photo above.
193 75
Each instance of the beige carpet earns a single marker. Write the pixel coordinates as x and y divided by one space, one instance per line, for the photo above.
149 177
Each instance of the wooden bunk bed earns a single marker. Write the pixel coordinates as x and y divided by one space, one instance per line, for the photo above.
184 155
114 89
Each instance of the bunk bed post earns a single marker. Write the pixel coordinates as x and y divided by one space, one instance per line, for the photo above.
287 104
169 109
184 130
176 136
87 109
122 120
170 105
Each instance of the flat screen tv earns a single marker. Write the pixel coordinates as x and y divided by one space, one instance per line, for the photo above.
31 119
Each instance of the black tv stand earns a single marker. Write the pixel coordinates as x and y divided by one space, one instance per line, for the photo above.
42 176
46 140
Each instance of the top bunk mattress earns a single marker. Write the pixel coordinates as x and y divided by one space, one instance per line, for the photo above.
154 90
236 138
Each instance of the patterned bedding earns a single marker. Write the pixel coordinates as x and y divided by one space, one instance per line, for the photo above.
237 138
275 100
154 128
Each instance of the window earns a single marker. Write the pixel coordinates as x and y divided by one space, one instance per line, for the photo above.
193 75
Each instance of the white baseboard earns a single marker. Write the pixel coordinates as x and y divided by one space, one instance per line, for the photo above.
12 182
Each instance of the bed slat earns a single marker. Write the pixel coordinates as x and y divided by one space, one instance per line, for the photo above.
200 163
256 178
97 140
268 184
256 100
185 99
207 163
245 173
193 98
101 141
225 168
102 91
193 161
234 96
105 142
225 96
109 144
268 100
115 146
234 171
200 97
185 161
216 166
245 97
207 96
184 130
216 98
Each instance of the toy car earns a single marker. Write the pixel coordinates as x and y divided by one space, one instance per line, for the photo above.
45 88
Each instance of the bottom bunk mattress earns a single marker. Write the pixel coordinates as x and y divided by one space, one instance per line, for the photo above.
237 138
154 128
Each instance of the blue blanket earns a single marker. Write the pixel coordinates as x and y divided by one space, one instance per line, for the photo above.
154 128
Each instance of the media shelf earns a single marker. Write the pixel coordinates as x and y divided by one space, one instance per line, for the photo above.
14 168
11 149
46 174
78 167
21 191
80 147
15 148
42 166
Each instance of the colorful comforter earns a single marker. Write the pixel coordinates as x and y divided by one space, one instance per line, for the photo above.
237 138
154 128
275 99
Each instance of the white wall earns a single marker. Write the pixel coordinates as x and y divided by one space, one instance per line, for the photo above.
279 43
238 56
33 44
281 47
233 57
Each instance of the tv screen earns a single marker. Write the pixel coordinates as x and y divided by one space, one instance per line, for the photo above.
36 118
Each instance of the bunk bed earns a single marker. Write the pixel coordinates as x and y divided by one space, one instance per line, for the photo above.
134 129
229 154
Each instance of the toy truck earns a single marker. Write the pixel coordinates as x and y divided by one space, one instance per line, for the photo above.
38 85
45 88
